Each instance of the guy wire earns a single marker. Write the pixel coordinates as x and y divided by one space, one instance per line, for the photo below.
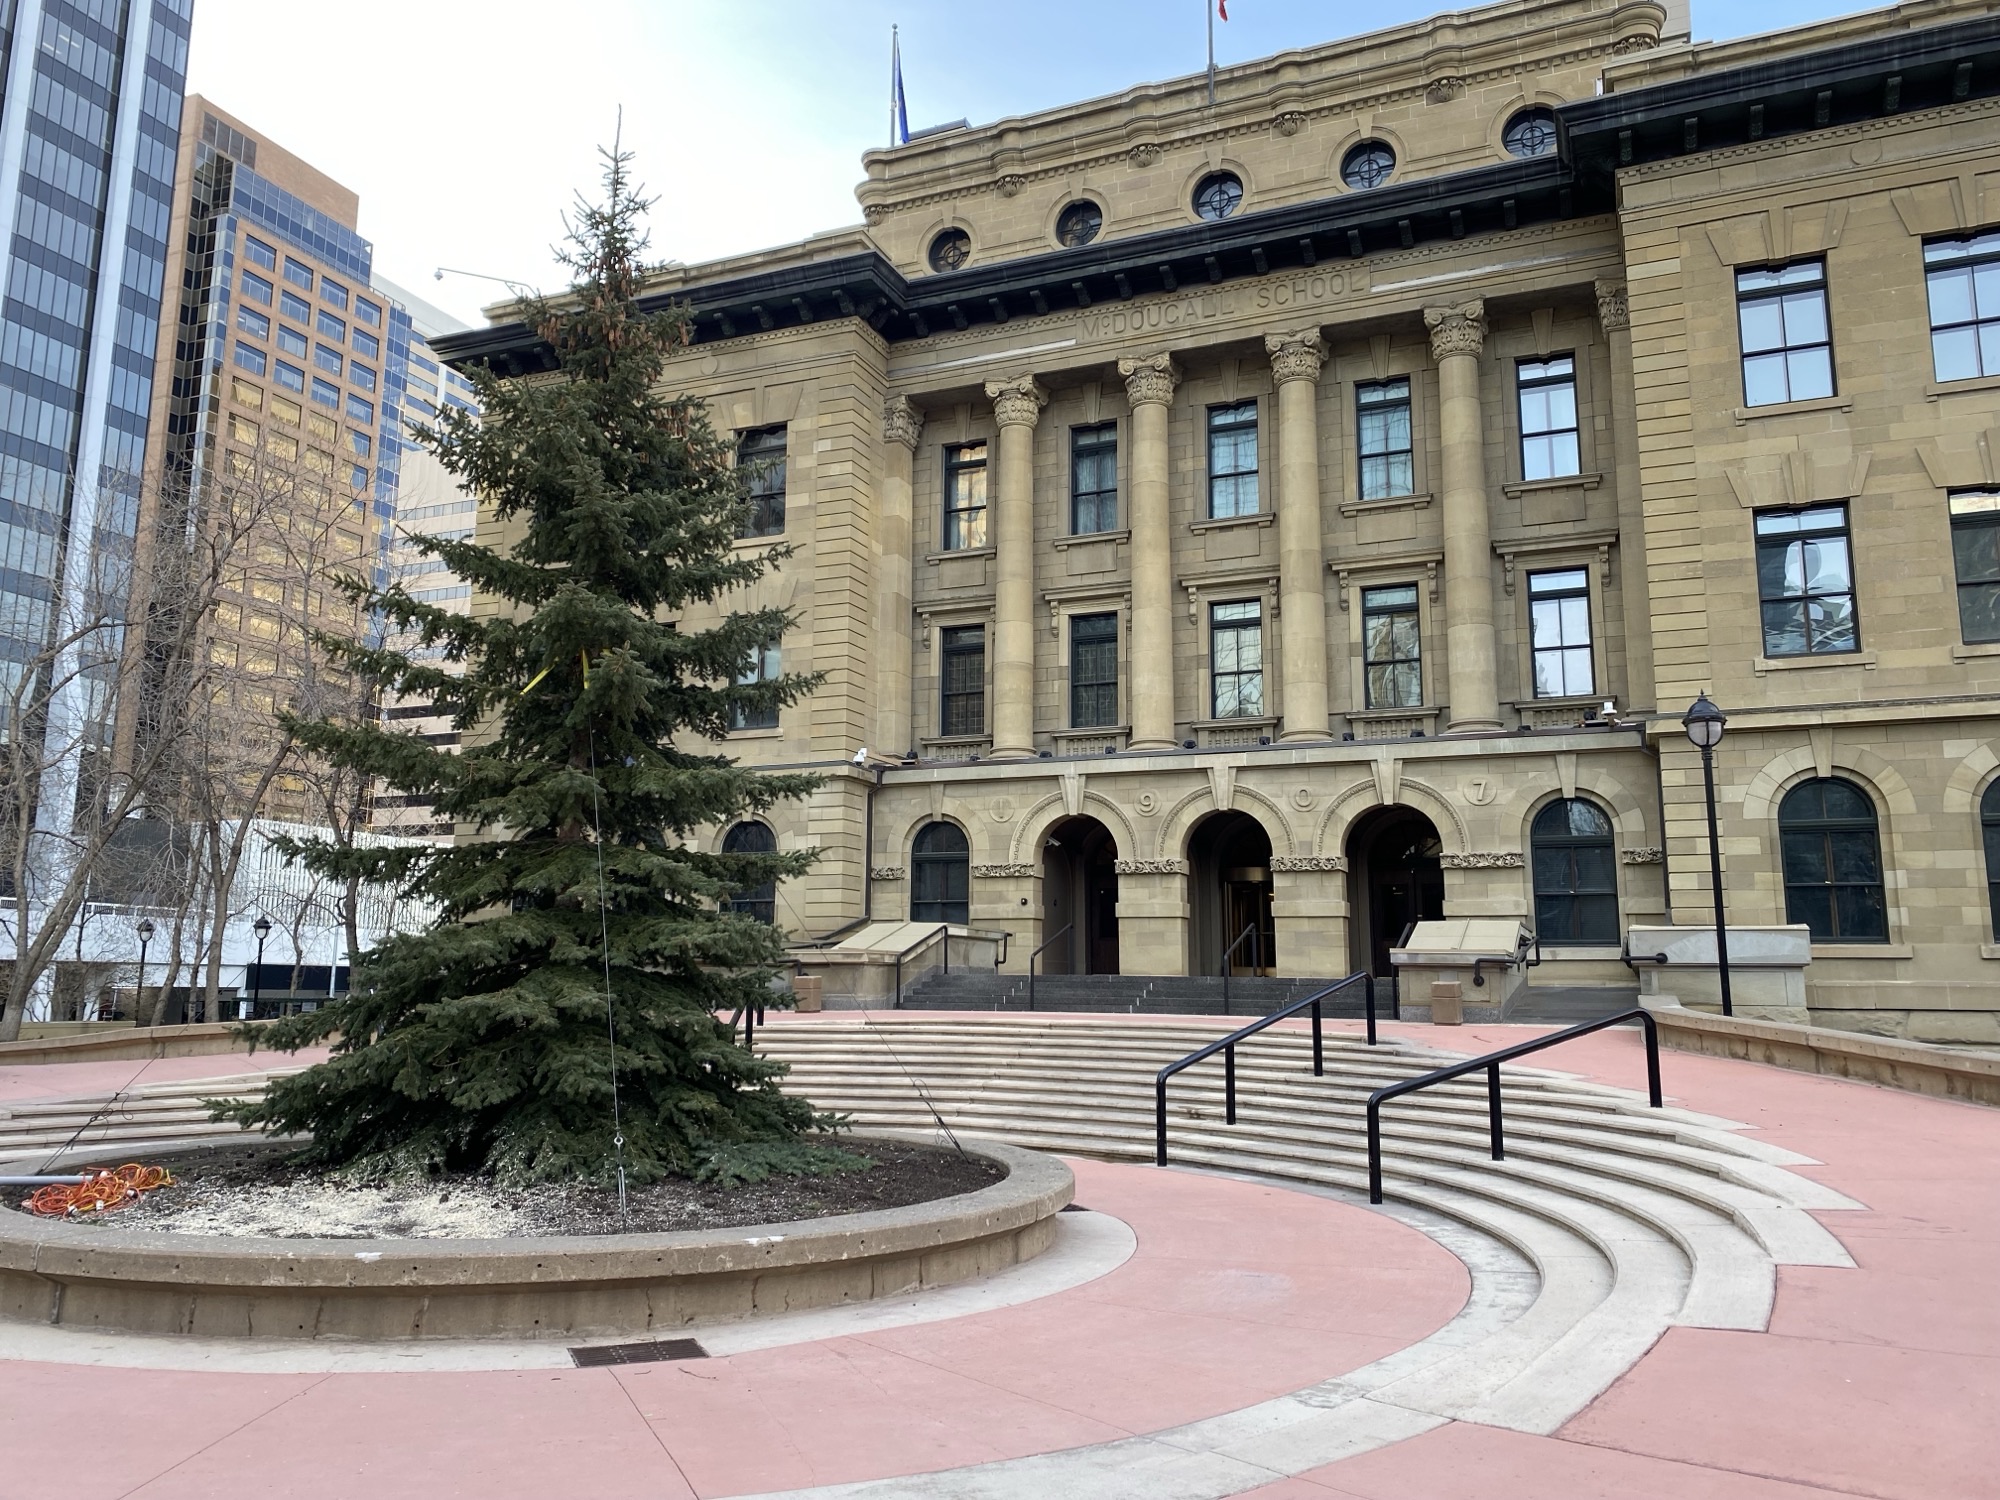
604 940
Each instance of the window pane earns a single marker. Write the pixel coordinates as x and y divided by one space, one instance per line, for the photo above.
1855 857
1811 373
1812 905
1830 621
1784 629
1975 553
1986 289
1989 348
1979 611
1825 564
1805 318
1763 325
1862 912
1764 380
1950 296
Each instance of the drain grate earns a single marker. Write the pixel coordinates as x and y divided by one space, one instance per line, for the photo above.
645 1352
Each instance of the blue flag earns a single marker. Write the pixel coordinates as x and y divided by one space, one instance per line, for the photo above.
899 116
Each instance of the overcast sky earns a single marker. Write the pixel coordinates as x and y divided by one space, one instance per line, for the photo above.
467 125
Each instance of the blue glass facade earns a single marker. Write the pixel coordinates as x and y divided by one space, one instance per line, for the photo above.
89 129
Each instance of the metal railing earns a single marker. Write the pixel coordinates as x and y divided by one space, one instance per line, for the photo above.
1491 1064
1255 932
943 930
1227 1047
1036 957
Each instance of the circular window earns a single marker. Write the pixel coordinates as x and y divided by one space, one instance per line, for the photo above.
1218 195
1532 132
951 250
1079 223
1368 164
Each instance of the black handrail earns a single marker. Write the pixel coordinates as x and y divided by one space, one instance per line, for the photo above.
1035 958
1227 1047
1254 930
1491 1063
925 941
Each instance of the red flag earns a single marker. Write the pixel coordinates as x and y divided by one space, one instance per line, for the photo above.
1222 8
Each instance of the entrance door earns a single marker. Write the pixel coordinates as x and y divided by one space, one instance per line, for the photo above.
1229 893
1080 892
1397 880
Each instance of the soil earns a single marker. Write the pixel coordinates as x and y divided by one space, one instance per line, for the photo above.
253 1190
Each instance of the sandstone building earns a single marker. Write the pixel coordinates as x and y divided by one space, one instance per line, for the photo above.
1238 515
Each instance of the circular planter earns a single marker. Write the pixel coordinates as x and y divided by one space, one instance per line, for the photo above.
101 1277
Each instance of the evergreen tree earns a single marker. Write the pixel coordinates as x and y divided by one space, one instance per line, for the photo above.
485 1043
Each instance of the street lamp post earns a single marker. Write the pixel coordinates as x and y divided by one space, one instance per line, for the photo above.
145 931
1703 722
262 927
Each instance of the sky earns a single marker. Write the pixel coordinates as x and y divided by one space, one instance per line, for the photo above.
468 126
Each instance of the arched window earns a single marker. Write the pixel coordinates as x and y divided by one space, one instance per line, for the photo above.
1832 854
1989 828
941 883
1576 873
759 901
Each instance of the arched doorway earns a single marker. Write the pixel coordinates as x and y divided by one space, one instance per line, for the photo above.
1080 892
940 875
1394 878
1229 892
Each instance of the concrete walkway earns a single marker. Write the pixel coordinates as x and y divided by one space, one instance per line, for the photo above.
1882 1380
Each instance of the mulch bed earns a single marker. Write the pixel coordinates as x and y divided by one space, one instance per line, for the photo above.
252 1189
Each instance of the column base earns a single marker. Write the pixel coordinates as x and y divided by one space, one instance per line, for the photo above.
1011 752
1475 726
1304 736
1131 745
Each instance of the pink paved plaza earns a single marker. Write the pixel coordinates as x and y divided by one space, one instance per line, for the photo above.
1883 1380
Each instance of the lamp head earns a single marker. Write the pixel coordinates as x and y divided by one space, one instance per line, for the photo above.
144 929
1703 722
262 927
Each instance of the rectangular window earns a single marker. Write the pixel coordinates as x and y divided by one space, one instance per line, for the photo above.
249 358
965 497
1975 555
321 427
243 393
285 411
1232 460
361 375
326 393
361 443
291 341
255 287
358 477
332 291
295 307
252 322
963 710
1093 670
367 312
763 667
1382 416
1805 581
1963 279
368 344
328 359
1548 417
1093 478
1559 633
1391 647
242 429
298 273
1787 340
331 327
1236 648
761 455
258 253
360 411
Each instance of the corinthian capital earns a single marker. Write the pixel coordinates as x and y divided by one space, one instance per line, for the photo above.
1458 329
1613 311
902 422
1150 379
1017 402
1295 356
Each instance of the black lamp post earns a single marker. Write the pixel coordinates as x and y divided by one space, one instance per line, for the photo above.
262 927
145 931
1703 722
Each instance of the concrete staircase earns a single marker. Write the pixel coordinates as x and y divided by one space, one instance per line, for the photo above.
147 1116
1139 994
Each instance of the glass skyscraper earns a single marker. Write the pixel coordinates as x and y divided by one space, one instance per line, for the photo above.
89 131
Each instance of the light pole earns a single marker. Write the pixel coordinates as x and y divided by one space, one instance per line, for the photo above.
262 927
1703 723
145 931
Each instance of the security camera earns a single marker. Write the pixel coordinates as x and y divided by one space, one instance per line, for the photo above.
868 759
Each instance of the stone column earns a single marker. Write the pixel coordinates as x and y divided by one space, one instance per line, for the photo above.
902 425
1017 406
1458 333
1295 364
1149 384
1633 585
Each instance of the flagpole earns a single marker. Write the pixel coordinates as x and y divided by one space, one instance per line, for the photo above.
1209 6
895 59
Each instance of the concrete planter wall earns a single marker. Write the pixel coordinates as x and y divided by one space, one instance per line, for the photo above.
102 1276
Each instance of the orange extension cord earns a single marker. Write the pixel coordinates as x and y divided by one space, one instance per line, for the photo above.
105 1191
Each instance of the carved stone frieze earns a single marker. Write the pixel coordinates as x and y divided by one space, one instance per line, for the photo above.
1308 864
1444 90
1010 186
1646 855
1149 867
1483 860
888 872
1004 872
1144 154
1017 402
1150 378
1290 122
1295 356
1457 329
1640 43
902 422
1613 310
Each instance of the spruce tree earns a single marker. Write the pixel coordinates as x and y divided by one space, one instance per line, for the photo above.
485 1043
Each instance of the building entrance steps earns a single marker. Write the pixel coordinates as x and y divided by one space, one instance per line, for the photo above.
1134 994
